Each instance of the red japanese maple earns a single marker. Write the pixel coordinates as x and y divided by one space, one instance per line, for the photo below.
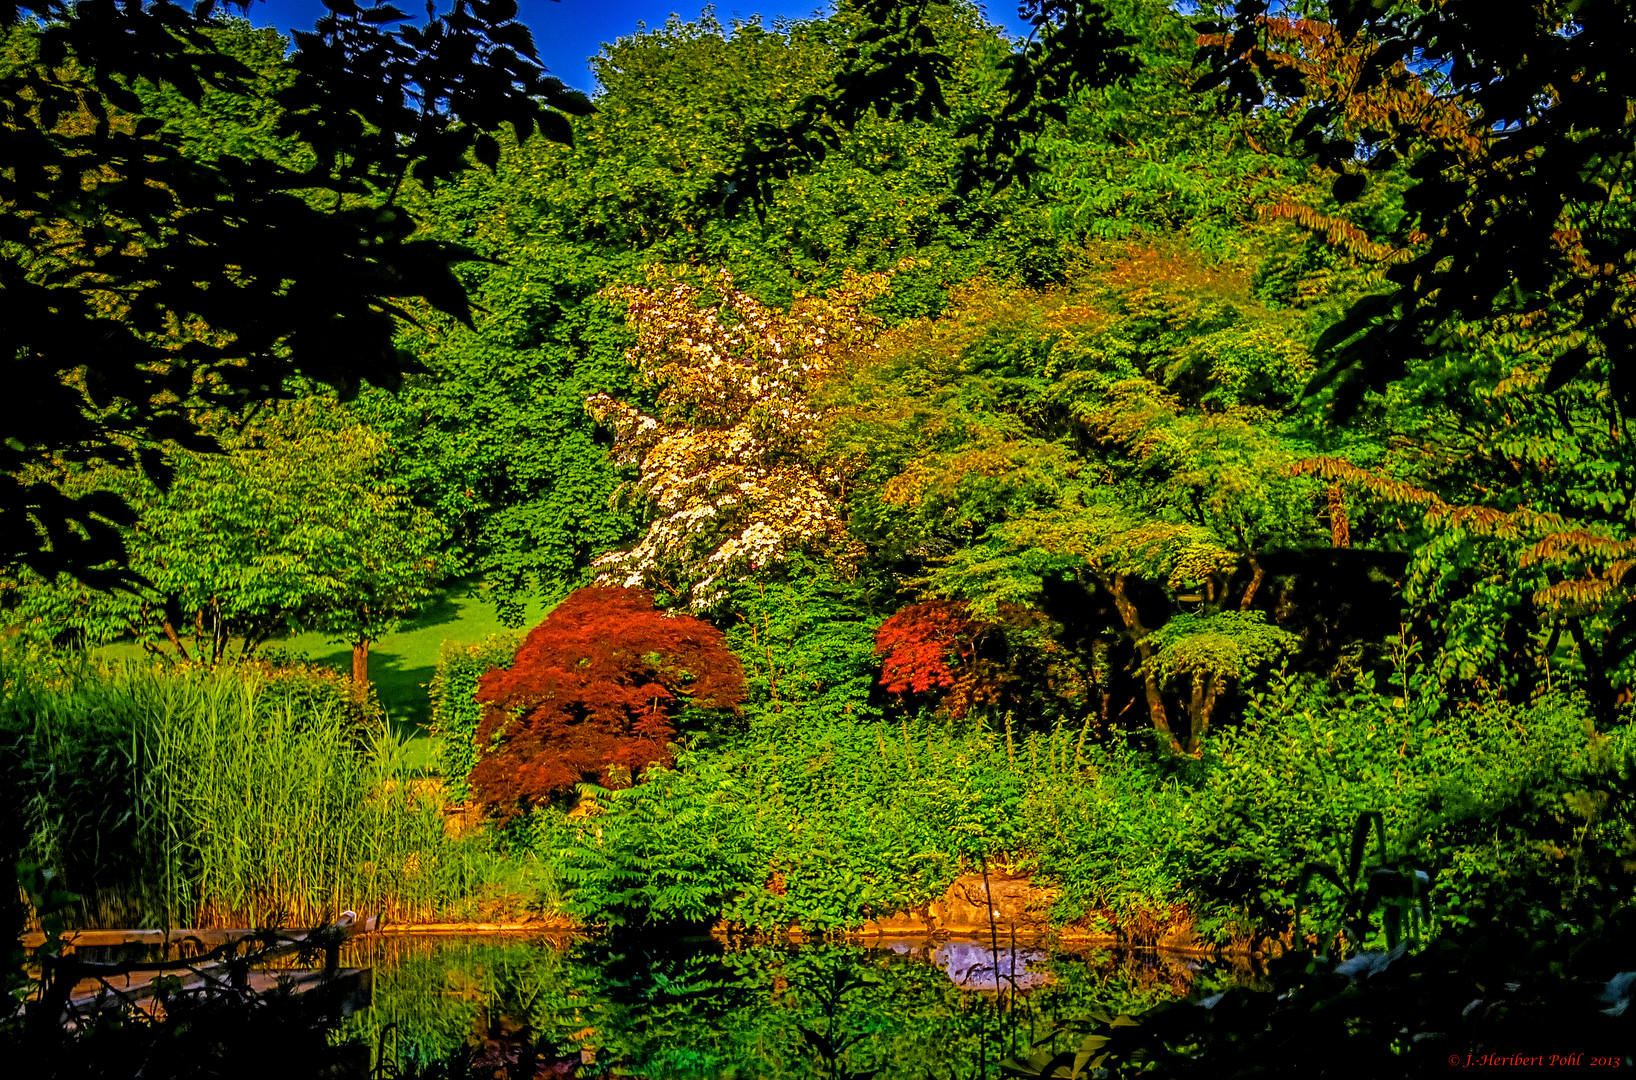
591 693
919 641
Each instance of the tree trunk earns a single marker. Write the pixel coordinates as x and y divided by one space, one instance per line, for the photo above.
1257 576
176 640
1340 529
1598 687
1203 704
1150 682
360 671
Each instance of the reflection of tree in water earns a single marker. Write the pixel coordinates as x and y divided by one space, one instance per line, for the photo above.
693 1009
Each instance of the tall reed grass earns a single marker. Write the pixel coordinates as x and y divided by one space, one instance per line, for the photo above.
234 796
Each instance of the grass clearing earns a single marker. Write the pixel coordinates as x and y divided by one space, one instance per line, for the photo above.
401 665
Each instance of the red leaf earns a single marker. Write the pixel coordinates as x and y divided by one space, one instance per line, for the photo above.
591 689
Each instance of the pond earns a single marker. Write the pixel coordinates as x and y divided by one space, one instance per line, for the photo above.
697 1008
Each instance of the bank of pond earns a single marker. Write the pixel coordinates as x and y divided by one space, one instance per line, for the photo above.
253 796
694 1007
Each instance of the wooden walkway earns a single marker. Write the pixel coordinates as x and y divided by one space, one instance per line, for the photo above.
226 963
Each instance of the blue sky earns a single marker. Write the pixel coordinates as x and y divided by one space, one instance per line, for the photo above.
569 31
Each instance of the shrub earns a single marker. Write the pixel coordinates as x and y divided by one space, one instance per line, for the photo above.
590 693
807 643
672 850
456 712
845 822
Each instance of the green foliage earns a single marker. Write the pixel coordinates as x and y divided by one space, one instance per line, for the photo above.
456 712
831 826
652 858
226 797
147 281
1149 154
825 827
807 643
1227 645
298 524
1516 203
1109 456
495 435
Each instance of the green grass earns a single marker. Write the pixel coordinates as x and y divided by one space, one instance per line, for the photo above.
401 664
233 797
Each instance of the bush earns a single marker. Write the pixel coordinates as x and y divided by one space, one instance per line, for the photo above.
671 850
824 828
593 694
830 826
456 712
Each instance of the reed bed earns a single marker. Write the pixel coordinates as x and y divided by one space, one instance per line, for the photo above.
213 797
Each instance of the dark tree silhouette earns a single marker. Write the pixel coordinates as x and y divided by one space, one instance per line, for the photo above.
140 284
1521 209
592 690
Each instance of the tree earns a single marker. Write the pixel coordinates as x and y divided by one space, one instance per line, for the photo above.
296 523
142 282
1512 120
1118 457
1510 125
917 644
494 433
592 696
729 470
897 63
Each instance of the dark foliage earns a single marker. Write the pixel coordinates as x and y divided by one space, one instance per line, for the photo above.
592 693
1487 998
1522 208
139 284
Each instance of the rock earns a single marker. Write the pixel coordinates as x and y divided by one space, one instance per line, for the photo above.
973 965
1018 906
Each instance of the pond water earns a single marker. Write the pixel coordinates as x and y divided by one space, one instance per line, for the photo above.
682 1009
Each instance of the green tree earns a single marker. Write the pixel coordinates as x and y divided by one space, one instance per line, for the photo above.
296 524
1133 438
495 434
142 281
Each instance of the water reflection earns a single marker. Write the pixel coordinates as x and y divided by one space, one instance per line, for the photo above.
972 965
680 1009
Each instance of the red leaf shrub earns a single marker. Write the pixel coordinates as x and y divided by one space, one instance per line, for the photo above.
918 642
590 691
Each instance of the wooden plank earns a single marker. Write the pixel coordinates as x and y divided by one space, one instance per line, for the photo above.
209 939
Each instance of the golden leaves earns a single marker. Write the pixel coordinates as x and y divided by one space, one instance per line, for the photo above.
1338 231
1339 470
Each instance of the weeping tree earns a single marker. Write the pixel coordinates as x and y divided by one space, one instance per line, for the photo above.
594 694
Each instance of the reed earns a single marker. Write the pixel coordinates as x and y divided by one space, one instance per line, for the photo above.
234 796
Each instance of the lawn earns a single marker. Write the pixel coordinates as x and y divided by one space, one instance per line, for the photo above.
401 664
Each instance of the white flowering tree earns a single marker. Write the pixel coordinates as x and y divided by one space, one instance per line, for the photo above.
731 471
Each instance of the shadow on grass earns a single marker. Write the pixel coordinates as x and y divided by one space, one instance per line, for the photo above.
440 612
401 687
